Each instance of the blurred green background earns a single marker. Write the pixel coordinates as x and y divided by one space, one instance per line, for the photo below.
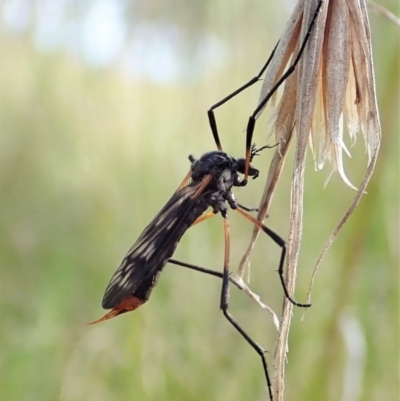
101 103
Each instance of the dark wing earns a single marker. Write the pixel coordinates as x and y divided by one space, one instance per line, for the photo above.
140 268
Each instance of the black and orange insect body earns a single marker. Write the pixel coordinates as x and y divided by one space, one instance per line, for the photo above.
212 177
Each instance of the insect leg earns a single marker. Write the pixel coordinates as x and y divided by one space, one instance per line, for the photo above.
210 112
279 241
204 270
248 209
224 306
203 217
206 180
289 71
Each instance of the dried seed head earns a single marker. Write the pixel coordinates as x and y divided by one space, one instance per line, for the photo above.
332 84
334 79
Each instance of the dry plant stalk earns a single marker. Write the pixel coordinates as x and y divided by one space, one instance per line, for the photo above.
334 77
383 12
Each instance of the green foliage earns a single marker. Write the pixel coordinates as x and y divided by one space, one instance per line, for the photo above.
87 158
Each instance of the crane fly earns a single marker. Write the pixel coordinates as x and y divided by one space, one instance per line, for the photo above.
208 184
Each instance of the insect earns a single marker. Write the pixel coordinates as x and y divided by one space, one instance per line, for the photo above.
208 184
